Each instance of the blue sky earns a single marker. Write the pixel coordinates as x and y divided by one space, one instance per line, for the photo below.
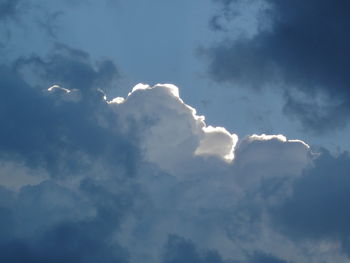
240 154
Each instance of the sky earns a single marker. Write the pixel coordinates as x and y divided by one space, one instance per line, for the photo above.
202 131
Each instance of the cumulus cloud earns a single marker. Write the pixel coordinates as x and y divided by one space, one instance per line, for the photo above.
199 192
143 178
299 47
175 132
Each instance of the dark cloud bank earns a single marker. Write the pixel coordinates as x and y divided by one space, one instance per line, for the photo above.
48 130
301 47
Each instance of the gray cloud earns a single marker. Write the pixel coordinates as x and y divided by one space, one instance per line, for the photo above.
179 249
145 179
63 236
303 52
46 129
9 8
113 191
124 180
318 207
73 213
260 257
71 69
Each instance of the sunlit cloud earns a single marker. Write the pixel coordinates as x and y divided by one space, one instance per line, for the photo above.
57 87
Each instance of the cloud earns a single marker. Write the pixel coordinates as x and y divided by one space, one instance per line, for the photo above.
144 178
217 141
174 132
197 195
9 8
179 249
51 129
69 68
140 178
62 237
66 170
317 209
300 48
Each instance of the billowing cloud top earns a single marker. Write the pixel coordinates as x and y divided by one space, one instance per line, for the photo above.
173 133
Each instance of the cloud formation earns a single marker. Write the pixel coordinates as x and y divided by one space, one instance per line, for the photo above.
175 132
300 47
70 68
44 129
322 212
144 178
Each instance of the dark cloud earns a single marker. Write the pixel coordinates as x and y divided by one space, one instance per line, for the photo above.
75 139
318 116
260 257
9 8
318 208
304 51
73 242
181 250
55 129
10 12
39 226
50 23
71 68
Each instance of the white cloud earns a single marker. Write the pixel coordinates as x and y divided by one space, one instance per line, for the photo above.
173 132
217 141
57 87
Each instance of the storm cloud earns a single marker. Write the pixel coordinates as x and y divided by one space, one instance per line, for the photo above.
300 48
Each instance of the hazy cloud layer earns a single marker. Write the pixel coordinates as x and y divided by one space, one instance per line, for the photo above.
300 47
